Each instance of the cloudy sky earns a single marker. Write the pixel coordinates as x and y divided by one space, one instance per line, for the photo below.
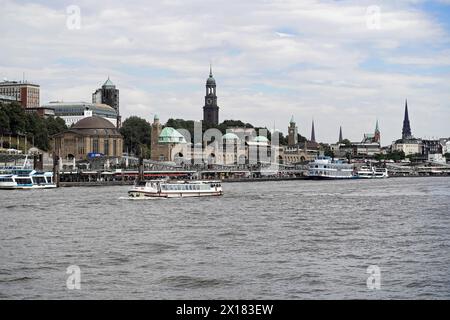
340 62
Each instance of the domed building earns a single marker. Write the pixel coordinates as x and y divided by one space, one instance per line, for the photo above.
167 144
91 137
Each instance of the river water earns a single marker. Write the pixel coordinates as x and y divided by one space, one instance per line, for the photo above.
264 240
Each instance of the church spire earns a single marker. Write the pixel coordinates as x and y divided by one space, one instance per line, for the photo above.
211 109
340 134
292 119
313 133
377 134
406 131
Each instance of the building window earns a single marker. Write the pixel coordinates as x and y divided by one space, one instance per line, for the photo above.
114 147
106 146
81 146
95 145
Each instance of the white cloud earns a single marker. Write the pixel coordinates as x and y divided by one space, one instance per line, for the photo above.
271 59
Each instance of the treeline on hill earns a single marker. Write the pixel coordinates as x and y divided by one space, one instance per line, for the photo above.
136 132
15 121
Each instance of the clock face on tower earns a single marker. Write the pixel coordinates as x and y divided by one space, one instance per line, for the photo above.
209 101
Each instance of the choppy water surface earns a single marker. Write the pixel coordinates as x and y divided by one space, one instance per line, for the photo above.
270 240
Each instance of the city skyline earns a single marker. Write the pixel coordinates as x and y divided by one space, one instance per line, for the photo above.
271 61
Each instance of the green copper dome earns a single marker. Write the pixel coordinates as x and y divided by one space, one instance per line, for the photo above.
261 139
170 135
230 136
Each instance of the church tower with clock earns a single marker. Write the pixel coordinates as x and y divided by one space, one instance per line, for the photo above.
211 110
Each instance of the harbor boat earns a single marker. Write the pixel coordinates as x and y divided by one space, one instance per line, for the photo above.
20 178
328 168
175 189
372 173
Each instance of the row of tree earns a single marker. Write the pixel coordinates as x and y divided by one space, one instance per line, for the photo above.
16 122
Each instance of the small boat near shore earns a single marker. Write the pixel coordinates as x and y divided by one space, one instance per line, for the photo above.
20 178
372 173
175 189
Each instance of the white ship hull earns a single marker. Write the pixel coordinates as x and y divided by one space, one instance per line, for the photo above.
324 168
144 194
25 179
176 189
372 174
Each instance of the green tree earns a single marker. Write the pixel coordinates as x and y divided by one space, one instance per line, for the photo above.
16 116
396 155
36 129
346 142
4 121
55 125
326 150
136 132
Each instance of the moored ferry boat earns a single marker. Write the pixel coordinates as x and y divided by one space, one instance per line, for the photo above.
20 178
372 173
175 189
327 168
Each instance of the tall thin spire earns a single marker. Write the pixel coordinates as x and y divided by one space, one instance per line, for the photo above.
313 133
406 131
377 135
340 134
292 120
210 70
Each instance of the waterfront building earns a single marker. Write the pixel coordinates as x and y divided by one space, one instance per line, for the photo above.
300 153
89 138
25 93
373 137
431 147
370 144
211 109
72 112
295 151
445 142
408 144
164 143
409 147
108 94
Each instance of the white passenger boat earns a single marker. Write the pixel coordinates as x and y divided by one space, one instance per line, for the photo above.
19 178
372 173
327 168
175 189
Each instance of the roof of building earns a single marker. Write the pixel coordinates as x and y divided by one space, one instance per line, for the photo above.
211 79
17 83
261 139
93 123
108 83
292 119
170 135
93 126
78 108
230 136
